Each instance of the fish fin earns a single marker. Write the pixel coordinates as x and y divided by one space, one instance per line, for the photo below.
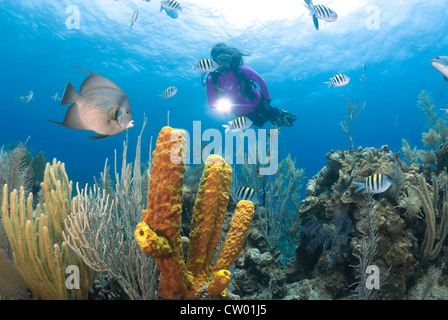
316 22
70 95
445 77
329 83
359 185
171 13
112 115
94 81
227 127
72 119
98 136
309 3
193 66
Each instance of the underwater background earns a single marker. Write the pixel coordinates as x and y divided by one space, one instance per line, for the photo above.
38 53
388 43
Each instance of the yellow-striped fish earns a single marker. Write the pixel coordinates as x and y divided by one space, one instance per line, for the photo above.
338 80
376 183
169 92
240 123
321 12
205 65
171 7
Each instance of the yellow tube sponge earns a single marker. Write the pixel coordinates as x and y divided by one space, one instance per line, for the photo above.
208 216
159 233
219 282
239 227
150 243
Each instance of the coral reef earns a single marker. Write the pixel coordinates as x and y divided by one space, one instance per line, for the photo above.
395 219
158 235
40 254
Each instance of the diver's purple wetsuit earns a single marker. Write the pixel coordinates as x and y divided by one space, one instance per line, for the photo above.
229 85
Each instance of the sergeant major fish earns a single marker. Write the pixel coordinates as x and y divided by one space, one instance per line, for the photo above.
171 7
205 65
376 183
321 12
169 92
244 193
338 80
240 123
100 106
441 64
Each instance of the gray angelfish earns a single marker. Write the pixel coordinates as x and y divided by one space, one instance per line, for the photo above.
100 106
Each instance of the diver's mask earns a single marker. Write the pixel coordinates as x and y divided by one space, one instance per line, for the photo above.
224 61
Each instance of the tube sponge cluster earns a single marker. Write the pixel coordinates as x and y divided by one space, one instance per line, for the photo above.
158 235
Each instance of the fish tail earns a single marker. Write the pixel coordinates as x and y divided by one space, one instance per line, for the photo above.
227 126
359 185
193 66
329 83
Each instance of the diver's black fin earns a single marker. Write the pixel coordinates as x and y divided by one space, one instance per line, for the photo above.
284 119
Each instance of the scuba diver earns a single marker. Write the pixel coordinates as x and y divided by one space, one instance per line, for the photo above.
232 88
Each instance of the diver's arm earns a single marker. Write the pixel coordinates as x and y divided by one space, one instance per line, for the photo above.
251 74
212 95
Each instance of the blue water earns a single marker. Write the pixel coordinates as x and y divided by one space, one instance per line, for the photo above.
38 52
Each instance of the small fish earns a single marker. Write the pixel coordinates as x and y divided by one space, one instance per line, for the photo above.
240 123
29 96
339 80
55 98
446 110
171 7
244 193
441 64
205 65
100 106
134 18
363 80
169 92
397 120
364 66
321 12
376 183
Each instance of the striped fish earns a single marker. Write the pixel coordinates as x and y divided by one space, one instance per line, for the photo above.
240 123
171 7
376 183
339 80
205 65
244 193
169 92
321 12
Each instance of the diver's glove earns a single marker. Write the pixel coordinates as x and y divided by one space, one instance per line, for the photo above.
284 119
